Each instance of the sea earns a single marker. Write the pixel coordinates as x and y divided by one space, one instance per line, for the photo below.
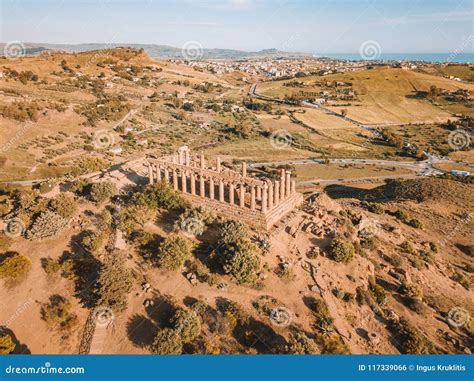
427 57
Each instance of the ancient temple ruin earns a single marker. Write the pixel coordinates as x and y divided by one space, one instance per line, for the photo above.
230 194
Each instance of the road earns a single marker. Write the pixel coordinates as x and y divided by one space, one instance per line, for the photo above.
420 168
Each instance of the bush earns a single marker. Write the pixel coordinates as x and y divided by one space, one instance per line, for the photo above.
47 226
413 341
135 215
173 251
162 195
115 282
101 192
232 231
7 345
64 205
14 266
88 164
193 221
57 313
167 342
187 324
239 260
237 255
341 250
300 344
93 240
379 294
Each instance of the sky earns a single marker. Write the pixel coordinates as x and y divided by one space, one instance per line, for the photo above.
313 26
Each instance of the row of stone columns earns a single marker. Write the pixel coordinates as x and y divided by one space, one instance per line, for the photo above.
263 197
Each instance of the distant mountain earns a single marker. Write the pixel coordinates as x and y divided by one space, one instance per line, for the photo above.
165 51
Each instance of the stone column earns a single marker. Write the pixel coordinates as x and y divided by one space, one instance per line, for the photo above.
231 194
244 169
288 184
270 195
203 162
211 188
221 191
150 173
193 184
186 157
158 173
175 180
264 197
293 186
252 197
218 164
282 184
242 196
184 184
259 192
202 189
167 175
276 193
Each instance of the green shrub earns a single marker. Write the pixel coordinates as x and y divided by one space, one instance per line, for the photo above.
57 313
167 341
232 231
134 216
14 266
47 226
93 240
187 324
300 344
193 221
173 251
64 205
240 260
341 250
7 345
162 195
115 282
103 191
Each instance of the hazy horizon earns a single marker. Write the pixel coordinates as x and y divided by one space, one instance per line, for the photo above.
317 27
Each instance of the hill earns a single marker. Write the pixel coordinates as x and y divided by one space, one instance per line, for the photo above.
162 51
